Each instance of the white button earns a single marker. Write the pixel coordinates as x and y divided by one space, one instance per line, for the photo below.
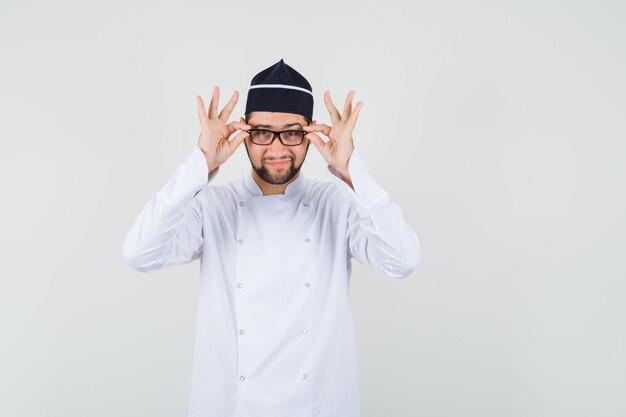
303 376
307 204
241 203
304 331
241 331
240 241
307 240
242 378
240 285
308 284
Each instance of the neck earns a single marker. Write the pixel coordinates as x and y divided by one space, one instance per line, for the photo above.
269 188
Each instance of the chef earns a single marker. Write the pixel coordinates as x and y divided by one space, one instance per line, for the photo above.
274 335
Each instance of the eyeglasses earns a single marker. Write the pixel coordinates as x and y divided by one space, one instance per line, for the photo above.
286 137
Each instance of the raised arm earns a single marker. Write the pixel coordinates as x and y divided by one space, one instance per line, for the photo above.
168 231
377 235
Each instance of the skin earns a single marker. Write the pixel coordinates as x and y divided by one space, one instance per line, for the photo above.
216 142
270 178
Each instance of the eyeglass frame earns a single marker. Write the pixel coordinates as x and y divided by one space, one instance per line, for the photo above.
276 134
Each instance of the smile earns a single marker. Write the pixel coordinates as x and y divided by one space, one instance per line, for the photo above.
279 163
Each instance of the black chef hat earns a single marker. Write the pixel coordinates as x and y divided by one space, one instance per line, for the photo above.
280 88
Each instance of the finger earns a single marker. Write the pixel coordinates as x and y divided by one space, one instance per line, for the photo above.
325 129
347 107
317 141
215 98
332 110
355 114
234 126
237 140
201 111
239 125
228 109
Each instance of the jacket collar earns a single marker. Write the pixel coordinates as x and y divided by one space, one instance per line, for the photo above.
293 188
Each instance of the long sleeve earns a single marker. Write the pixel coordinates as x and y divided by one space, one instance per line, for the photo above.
378 235
168 231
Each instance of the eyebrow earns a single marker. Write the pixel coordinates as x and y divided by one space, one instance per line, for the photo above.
284 126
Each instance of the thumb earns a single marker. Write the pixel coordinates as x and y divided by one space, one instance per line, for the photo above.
237 140
317 141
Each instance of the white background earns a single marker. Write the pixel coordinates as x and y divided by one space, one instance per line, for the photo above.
498 127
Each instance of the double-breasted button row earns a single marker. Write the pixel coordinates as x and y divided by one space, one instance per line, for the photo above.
306 284
243 378
304 331
307 240
305 204
240 285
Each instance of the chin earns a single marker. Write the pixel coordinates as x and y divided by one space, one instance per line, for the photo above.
280 175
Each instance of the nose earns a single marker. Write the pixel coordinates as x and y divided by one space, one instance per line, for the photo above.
276 148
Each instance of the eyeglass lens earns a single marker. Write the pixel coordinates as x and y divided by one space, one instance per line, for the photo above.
264 137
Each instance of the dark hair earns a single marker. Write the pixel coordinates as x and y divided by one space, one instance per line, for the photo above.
247 117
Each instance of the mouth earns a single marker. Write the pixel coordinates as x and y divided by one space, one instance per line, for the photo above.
280 163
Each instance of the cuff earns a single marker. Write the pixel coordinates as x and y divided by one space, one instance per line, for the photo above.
188 179
367 192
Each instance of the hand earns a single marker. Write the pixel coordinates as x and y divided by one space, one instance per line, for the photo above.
213 140
338 149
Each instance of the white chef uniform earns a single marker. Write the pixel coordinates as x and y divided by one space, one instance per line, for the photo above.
274 335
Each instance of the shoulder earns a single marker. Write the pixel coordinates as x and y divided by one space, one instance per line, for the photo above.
223 195
328 193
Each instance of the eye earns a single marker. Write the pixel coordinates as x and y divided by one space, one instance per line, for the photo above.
293 133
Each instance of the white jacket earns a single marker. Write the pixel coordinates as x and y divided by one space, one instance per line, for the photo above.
274 335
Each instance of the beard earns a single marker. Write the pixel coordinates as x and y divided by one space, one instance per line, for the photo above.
279 178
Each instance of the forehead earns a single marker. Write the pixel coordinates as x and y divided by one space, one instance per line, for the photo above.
275 119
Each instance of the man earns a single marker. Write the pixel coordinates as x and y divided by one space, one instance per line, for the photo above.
274 333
